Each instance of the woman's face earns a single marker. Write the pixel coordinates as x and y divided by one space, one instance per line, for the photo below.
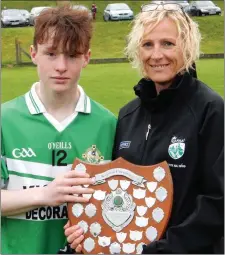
160 54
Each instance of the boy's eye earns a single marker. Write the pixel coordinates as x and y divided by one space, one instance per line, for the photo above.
51 54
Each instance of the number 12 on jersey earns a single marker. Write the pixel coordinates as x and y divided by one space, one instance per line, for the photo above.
58 157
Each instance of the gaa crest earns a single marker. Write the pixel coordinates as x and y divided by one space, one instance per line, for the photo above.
93 155
130 207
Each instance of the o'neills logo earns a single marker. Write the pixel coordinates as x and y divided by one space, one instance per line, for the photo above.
176 148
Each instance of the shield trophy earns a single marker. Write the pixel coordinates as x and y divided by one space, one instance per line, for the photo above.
130 207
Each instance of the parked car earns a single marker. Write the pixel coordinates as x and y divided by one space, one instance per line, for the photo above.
35 12
182 3
26 15
80 7
118 11
13 17
202 8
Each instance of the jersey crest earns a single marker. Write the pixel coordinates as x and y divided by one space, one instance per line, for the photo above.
93 155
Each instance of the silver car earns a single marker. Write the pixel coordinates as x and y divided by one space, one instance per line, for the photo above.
12 17
183 4
80 7
26 15
35 12
118 11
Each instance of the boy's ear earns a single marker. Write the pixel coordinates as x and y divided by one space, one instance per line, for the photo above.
87 58
33 53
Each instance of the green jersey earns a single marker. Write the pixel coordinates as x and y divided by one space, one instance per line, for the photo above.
35 149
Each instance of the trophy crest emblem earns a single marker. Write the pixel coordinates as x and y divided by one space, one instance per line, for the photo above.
118 209
130 207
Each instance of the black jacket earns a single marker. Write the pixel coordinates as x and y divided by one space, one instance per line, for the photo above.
191 114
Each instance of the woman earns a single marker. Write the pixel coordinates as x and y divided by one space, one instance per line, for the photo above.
173 109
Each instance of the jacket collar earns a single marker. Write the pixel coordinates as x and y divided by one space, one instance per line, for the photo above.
146 91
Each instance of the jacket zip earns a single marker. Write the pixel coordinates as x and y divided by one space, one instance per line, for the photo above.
149 127
146 136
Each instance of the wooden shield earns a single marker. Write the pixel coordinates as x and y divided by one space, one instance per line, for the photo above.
131 206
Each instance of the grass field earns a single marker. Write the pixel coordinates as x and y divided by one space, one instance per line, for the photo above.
109 38
109 84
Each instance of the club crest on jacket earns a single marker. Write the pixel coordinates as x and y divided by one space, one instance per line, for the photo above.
176 148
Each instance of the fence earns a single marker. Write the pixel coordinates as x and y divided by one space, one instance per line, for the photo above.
20 51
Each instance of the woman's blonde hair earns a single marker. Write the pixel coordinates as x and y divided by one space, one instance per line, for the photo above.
189 36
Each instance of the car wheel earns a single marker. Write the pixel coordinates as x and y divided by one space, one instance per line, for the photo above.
198 13
106 18
2 24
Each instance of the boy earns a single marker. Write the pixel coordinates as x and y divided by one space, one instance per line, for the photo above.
44 130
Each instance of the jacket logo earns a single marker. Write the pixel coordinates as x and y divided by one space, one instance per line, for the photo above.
23 153
177 148
124 145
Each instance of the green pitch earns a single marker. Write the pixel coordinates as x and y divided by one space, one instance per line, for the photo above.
109 84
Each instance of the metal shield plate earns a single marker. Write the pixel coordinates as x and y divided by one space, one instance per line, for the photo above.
132 204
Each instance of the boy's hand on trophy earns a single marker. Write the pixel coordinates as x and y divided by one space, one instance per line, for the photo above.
74 236
67 187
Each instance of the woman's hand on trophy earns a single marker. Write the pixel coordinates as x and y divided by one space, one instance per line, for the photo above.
65 188
74 235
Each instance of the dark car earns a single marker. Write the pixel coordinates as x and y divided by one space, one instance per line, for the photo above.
202 8
13 17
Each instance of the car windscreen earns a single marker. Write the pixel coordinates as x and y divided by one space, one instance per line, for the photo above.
11 13
24 13
39 9
205 3
179 2
119 7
